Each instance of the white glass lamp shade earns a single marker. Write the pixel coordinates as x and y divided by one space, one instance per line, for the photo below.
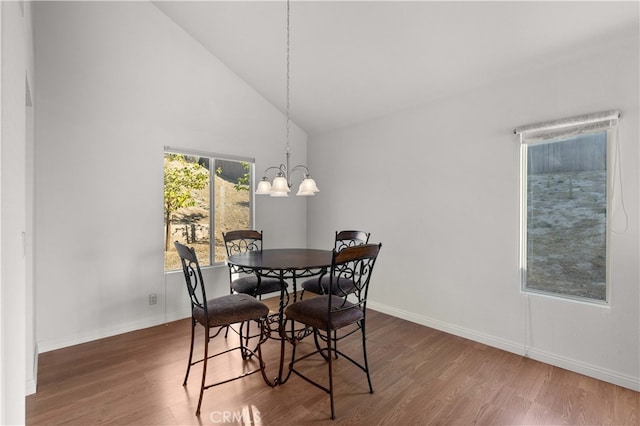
264 187
280 187
308 187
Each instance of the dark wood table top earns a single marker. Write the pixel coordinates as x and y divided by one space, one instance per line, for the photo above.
283 259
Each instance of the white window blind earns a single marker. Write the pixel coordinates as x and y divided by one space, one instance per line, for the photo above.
567 127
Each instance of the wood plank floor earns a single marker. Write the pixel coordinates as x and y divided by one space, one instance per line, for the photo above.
420 376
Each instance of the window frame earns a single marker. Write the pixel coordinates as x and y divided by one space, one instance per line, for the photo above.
540 135
212 156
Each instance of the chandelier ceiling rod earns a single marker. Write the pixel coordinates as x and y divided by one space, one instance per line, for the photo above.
281 185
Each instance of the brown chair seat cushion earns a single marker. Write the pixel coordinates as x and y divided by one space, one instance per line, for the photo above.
321 286
314 312
231 309
248 284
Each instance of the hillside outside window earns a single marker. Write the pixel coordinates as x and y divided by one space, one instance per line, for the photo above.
565 206
204 196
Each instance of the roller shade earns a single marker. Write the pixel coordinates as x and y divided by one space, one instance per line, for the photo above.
567 127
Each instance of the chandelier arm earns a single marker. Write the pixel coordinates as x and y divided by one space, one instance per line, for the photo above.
281 168
301 166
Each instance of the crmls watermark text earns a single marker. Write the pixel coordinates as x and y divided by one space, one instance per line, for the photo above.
248 416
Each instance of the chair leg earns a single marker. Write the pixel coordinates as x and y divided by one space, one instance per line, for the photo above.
204 368
335 344
193 329
333 414
262 324
317 343
293 344
243 351
247 337
364 351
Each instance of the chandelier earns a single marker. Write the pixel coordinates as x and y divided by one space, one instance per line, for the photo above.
281 185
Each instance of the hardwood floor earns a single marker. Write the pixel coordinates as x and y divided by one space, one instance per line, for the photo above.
420 376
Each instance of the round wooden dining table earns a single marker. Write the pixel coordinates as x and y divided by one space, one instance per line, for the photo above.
287 264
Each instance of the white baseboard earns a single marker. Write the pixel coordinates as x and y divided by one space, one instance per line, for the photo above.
596 372
576 366
58 343
30 387
31 384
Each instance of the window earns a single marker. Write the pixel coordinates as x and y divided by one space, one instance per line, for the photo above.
204 196
565 207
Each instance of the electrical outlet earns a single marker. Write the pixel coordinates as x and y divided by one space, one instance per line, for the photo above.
153 299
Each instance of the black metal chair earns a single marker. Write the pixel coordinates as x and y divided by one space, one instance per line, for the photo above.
242 241
343 239
323 315
217 314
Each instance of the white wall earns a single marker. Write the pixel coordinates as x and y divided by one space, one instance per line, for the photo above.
442 195
118 81
16 340
30 314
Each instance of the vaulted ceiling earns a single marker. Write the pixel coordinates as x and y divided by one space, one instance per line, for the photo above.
352 61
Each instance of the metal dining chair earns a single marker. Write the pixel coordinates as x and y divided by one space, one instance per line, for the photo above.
217 314
247 282
323 315
343 239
